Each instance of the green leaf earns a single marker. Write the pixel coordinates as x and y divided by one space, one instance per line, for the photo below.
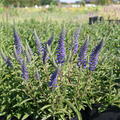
25 116
18 116
24 101
46 106
63 118
9 117
2 108
45 118
2 113
74 108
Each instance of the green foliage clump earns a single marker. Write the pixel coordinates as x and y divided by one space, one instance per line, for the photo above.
77 87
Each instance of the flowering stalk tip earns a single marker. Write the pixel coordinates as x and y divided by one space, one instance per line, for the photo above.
17 43
53 79
61 48
94 56
75 41
38 44
82 59
24 71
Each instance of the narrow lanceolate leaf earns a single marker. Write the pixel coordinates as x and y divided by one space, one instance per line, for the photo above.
94 56
61 52
28 56
75 41
3 55
29 49
38 44
25 116
79 116
82 59
17 43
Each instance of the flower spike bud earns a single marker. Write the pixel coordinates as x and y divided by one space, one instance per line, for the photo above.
94 56
82 59
61 53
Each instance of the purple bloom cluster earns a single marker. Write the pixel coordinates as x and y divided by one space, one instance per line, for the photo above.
6 59
18 58
49 42
94 56
82 60
53 78
24 71
44 57
17 42
75 41
8 62
38 44
61 48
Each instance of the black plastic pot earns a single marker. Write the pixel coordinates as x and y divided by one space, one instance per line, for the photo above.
111 113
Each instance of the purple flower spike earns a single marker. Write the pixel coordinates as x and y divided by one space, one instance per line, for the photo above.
49 42
82 60
18 57
53 78
61 48
24 71
17 42
44 57
94 56
6 59
38 44
75 41
8 62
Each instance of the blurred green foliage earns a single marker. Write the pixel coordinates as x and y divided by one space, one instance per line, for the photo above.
104 2
28 3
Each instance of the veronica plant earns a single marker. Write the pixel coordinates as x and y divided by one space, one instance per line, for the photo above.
73 88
